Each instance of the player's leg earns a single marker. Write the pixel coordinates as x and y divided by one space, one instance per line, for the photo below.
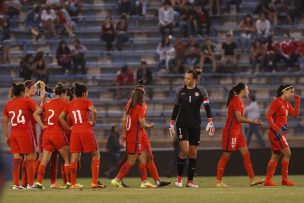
15 171
30 162
143 171
37 162
286 153
46 156
23 171
65 154
272 165
95 164
73 168
54 169
221 168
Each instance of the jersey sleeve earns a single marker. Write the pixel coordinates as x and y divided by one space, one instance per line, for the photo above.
5 113
274 107
89 103
204 94
176 99
31 104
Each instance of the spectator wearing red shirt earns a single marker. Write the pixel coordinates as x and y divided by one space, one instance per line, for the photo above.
124 77
288 50
301 55
201 21
108 32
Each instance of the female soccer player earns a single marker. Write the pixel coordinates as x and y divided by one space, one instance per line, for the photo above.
186 117
19 110
133 121
82 136
233 138
277 117
53 136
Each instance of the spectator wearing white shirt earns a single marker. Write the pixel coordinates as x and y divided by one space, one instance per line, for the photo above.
263 27
253 113
166 54
166 18
49 18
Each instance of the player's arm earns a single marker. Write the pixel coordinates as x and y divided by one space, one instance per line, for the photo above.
42 96
271 111
240 119
210 126
36 115
123 128
63 122
93 110
174 112
294 112
143 124
5 129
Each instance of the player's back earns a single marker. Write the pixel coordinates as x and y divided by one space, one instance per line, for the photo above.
78 111
20 111
52 110
232 126
133 129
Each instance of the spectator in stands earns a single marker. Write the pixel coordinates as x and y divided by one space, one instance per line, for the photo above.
26 68
113 148
272 53
207 54
214 6
248 28
288 49
52 2
179 47
63 55
40 68
166 18
5 40
185 20
270 11
236 2
108 32
192 52
3 8
13 11
253 113
65 20
263 27
166 54
301 55
49 18
201 21
122 34
294 10
257 54
124 77
228 53
145 74
33 21
78 57
124 7
73 7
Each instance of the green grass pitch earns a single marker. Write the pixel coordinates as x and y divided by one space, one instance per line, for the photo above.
238 192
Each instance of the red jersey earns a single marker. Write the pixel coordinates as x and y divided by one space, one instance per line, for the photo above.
288 47
232 126
20 112
52 110
301 48
79 114
277 115
133 130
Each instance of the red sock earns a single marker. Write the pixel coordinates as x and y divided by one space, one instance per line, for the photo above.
54 166
272 165
142 171
248 165
78 167
153 170
37 163
30 171
15 171
40 174
73 172
284 166
63 174
67 173
123 170
221 167
179 178
23 171
95 170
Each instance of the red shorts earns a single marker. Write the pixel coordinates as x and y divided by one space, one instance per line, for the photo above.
232 142
53 140
133 147
146 145
277 145
22 143
83 142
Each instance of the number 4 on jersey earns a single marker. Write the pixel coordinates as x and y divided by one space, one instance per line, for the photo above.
20 118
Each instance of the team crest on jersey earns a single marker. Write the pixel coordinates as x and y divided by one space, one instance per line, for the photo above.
196 94
180 136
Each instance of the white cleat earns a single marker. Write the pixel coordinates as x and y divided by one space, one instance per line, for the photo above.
192 185
31 187
15 187
179 184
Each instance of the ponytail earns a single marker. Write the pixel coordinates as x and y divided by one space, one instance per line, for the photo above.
235 91
60 89
16 90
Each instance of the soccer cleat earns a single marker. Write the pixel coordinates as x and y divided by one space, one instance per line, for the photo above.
160 183
220 184
75 187
191 185
79 185
66 186
270 183
31 187
179 184
98 185
15 187
117 183
287 183
123 184
256 181
39 186
55 186
147 184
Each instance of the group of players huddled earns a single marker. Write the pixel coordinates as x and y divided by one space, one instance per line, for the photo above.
67 118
